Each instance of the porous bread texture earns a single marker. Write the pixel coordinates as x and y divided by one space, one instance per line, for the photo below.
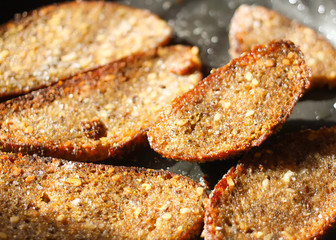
60 40
284 190
45 198
235 108
252 25
100 113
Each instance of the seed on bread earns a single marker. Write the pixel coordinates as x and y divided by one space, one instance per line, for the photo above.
100 113
288 195
254 25
235 108
60 40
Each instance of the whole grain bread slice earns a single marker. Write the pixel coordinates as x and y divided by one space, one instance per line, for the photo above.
284 190
57 41
235 108
45 198
100 113
252 25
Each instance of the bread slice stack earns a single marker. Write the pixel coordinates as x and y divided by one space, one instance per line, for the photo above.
254 25
57 41
45 198
285 189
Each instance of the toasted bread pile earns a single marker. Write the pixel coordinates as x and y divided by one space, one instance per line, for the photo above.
84 82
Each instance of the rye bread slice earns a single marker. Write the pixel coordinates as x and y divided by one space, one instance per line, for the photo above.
235 108
100 113
57 41
284 190
45 198
252 25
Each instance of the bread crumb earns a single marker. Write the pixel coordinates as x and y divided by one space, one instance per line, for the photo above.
74 181
60 218
255 82
268 236
248 76
258 234
287 177
185 210
17 172
3 55
286 61
181 122
290 55
265 183
217 117
30 178
14 219
270 63
230 182
128 190
200 190
29 129
146 186
287 235
137 212
116 177
249 113
167 216
226 105
90 226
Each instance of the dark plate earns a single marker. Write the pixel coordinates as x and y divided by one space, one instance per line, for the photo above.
205 23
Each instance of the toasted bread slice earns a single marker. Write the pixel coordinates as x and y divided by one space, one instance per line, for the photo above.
235 108
285 190
57 41
44 198
253 25
97 114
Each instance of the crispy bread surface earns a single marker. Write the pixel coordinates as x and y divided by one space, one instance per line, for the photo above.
57 41
100 113
235 108
286 189
45 198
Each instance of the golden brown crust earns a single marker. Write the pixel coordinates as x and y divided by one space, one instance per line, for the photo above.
100 113
60 40
283 190
45 198
253 25
235 108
